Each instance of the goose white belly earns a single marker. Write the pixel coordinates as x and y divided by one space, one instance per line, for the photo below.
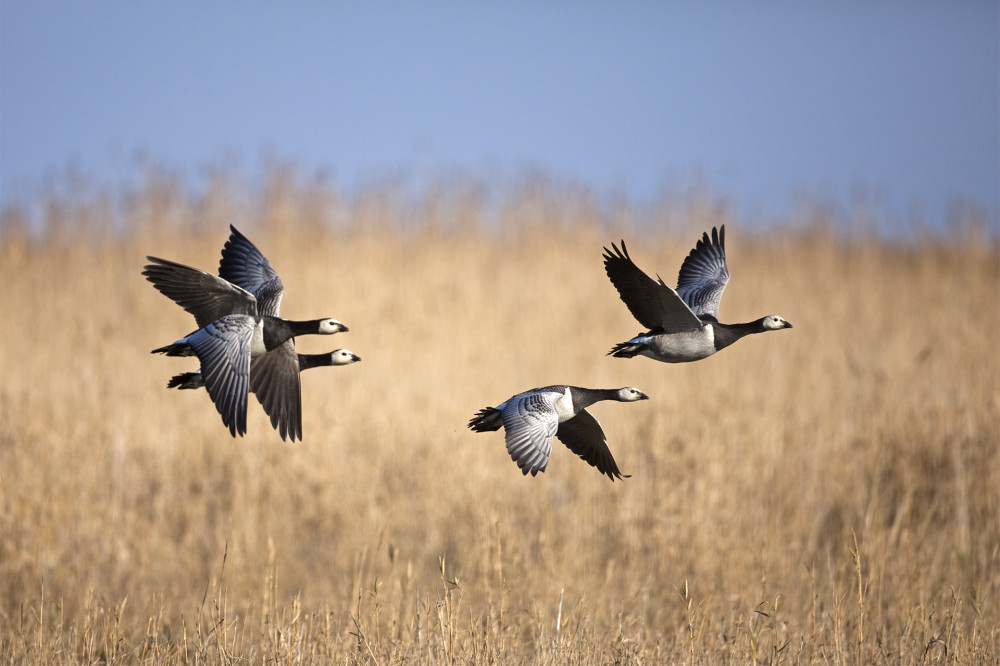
564 406
682 347
257 347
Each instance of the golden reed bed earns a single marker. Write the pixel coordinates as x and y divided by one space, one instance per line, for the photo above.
827 494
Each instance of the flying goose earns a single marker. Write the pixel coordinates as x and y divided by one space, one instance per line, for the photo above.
683 325
194 380
211 298
236 327
530 419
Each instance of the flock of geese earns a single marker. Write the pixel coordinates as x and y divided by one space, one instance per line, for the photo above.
244 347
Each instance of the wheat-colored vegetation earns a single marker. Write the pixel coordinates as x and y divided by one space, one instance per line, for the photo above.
828 494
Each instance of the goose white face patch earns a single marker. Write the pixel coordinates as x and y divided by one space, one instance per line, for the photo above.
774 322
631 394
331 326
343 357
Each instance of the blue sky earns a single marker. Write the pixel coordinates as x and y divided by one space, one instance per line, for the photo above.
763 102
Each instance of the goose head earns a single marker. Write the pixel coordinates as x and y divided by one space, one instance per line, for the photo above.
774 323
343 357
331 326
629 394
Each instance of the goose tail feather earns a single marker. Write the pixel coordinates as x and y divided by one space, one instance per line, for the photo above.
186 380
175 349
486 419
627 349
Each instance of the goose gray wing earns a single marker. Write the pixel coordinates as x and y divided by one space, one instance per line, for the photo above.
223 347
274 379
654 304
584 436
529 422
245 266
206 296
704 274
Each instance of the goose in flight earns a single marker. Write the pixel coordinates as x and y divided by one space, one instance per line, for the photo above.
683 325
532 418
194 380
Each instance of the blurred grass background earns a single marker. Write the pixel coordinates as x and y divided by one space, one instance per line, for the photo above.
828 494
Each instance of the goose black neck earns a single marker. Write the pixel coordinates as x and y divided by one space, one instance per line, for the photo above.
585 397
307 361
727 334
277 330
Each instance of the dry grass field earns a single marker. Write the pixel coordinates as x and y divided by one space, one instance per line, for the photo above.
826 494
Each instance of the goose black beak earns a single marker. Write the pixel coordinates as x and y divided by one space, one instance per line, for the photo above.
643 396
355 357
343 329
788 324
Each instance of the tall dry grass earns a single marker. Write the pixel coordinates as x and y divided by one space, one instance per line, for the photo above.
828 494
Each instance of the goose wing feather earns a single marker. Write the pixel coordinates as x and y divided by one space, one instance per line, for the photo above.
654 304
274 379
223 347
704 274
206 296
584 436
530 421
245 266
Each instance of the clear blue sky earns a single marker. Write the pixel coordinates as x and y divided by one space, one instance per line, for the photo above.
763 100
